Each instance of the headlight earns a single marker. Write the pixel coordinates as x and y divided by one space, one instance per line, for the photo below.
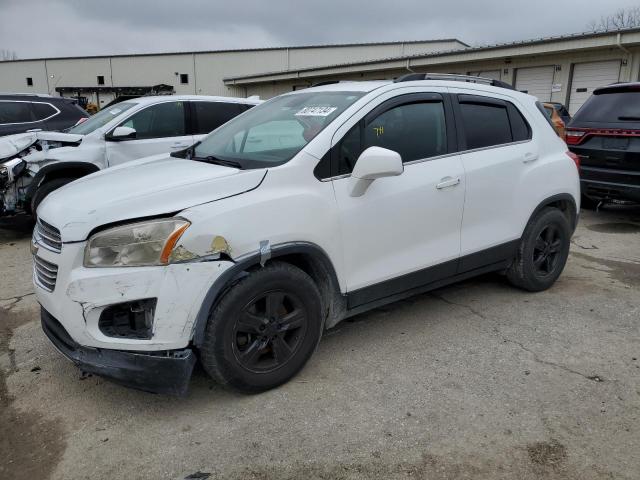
4 176
135 245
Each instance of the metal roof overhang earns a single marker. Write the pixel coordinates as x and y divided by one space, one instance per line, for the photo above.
544 46
105 88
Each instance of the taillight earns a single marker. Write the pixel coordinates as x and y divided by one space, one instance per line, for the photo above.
574 137
575 158
81 120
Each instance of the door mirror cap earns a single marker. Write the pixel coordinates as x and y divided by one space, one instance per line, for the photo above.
123 133
373 163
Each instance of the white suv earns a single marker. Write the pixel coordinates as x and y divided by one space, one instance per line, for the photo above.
312 207
36 163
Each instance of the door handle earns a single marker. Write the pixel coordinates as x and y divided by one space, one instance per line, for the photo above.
447 182
529 157
179 145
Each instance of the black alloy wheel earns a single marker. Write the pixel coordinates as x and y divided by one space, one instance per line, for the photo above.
547 250
542 251
264 329
269 331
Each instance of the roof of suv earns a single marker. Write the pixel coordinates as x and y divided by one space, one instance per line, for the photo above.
369 86
145 100
618 87
32 96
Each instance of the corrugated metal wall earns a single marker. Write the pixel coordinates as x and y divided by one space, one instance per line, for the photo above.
205 70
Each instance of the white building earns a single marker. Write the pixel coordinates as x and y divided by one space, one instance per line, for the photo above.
564 69
100 78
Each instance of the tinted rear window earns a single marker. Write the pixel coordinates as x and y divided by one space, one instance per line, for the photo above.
16 112
210 115
485 125
615 107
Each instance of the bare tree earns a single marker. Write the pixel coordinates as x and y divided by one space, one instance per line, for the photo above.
622 18
8 55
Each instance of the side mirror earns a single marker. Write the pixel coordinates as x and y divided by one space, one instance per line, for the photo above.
373 163
123 133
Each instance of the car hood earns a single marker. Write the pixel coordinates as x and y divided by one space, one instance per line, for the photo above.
150 188
13 145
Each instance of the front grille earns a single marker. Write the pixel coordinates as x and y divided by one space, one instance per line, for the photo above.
46 273
49 236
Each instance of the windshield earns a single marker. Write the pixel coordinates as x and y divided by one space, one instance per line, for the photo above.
274 132
100 119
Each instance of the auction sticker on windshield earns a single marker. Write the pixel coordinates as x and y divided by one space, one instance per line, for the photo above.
316 111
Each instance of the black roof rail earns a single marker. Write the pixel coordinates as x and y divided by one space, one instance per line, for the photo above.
412 77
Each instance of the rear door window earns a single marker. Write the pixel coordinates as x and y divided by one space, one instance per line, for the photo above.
491 122
16 112
485 125
210 115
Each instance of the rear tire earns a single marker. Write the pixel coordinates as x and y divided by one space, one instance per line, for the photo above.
543 251
264 329
44 190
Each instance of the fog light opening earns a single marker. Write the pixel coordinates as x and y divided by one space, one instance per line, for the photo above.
129 320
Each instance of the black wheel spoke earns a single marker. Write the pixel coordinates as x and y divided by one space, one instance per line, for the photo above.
555 246
537 262
250 323
540 244
253 352
281 349
292 320
274 304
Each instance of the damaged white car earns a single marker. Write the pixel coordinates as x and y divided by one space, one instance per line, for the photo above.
310 208
35 164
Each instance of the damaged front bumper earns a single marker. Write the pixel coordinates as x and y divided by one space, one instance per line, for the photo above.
14 181
157 372
156 356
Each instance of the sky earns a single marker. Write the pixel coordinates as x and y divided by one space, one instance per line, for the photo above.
56 28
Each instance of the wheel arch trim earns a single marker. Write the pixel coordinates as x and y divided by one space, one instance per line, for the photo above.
560 197
58 167
250 260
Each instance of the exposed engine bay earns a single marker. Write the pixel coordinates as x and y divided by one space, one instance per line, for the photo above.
22 156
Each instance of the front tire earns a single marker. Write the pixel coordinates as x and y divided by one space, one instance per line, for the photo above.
543 251
264 329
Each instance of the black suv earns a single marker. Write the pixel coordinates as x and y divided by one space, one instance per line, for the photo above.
24 113
605 134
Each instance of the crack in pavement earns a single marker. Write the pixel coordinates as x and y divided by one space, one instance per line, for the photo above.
17 298
536 358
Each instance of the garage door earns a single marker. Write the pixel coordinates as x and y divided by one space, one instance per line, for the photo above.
493 74
589 76
535 81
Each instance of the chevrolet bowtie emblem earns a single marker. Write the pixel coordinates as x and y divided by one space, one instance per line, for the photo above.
34 247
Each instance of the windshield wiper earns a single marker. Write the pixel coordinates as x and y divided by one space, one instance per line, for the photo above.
219 161
629 118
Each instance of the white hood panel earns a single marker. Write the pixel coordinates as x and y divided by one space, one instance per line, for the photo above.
148 189
12 145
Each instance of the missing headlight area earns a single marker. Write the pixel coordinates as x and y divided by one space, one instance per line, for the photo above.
129 320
